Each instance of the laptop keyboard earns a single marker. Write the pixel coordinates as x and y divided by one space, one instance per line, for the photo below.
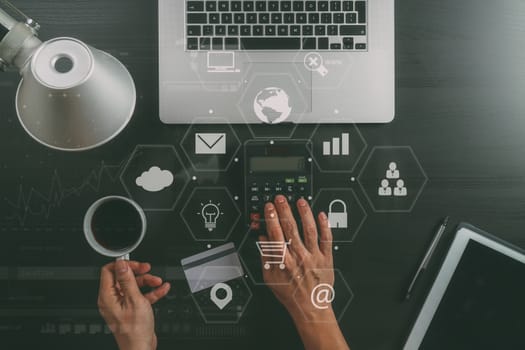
276 25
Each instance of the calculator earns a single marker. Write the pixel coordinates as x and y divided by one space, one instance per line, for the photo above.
275 167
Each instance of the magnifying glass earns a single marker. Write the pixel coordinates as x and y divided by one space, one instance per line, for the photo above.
115 226
313 62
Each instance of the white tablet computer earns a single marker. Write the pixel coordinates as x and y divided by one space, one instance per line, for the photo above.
478 298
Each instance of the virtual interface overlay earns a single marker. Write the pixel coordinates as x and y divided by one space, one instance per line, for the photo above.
273 62
200 196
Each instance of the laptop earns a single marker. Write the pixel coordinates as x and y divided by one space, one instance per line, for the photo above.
272 62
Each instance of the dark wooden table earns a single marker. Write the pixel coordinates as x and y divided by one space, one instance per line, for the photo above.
460 107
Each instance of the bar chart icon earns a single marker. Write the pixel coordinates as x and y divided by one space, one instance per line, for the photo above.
338 146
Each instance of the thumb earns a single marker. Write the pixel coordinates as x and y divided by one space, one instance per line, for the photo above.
126 279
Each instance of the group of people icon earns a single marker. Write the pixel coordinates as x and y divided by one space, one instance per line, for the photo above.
385 190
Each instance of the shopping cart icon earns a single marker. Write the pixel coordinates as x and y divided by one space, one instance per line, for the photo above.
274 250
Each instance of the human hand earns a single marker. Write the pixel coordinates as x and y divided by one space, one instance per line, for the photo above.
308 264
128 312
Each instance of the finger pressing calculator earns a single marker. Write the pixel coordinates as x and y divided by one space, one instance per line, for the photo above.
275 167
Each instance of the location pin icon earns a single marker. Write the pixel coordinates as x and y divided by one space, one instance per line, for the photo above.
221 303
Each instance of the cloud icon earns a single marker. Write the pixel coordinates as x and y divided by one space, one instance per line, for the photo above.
155 179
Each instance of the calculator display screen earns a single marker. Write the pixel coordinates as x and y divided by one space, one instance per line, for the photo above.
277 164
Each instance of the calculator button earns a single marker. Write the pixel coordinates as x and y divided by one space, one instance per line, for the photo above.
255 208
255 226
291 198
255 217
289 188
255 199
302 180
267 188
267 198
290 180
254 189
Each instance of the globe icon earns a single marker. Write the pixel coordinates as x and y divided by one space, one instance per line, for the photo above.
272 105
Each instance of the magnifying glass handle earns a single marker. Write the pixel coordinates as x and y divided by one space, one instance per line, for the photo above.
124 257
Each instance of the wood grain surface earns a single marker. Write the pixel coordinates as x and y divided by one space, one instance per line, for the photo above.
460 106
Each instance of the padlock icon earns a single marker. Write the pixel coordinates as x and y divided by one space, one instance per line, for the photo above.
337 219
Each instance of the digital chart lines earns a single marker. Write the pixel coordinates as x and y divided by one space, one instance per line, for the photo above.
31 202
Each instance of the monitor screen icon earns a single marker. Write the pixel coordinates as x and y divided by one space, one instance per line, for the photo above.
221 62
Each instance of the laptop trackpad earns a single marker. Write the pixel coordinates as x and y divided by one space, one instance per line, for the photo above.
275 92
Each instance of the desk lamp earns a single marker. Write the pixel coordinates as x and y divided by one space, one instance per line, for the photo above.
72 97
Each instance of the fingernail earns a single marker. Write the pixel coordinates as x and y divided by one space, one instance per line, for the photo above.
121 266
280 199
323 216
302 203
270 210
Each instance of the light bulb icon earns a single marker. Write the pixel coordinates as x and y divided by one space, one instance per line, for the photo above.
210 213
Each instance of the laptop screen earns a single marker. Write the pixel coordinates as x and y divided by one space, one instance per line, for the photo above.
484 305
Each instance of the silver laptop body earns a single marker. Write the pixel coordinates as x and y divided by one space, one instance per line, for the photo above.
343 73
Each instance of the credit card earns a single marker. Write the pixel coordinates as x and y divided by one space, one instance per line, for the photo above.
217 265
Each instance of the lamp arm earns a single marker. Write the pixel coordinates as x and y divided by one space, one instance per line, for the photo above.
6 21
18 37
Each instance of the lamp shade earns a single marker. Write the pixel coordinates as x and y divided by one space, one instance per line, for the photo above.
74 97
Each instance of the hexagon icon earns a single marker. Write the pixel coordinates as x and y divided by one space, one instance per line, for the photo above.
337 148
251 258
345 212
225 302
339 295
329 69
210 146
274 94
155 177
392 179
210 214
218 71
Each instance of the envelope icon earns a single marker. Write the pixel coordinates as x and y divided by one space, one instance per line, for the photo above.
210 143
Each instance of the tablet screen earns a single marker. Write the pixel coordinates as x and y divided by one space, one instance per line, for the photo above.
483 306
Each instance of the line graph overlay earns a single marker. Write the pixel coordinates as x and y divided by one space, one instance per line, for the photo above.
31 202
